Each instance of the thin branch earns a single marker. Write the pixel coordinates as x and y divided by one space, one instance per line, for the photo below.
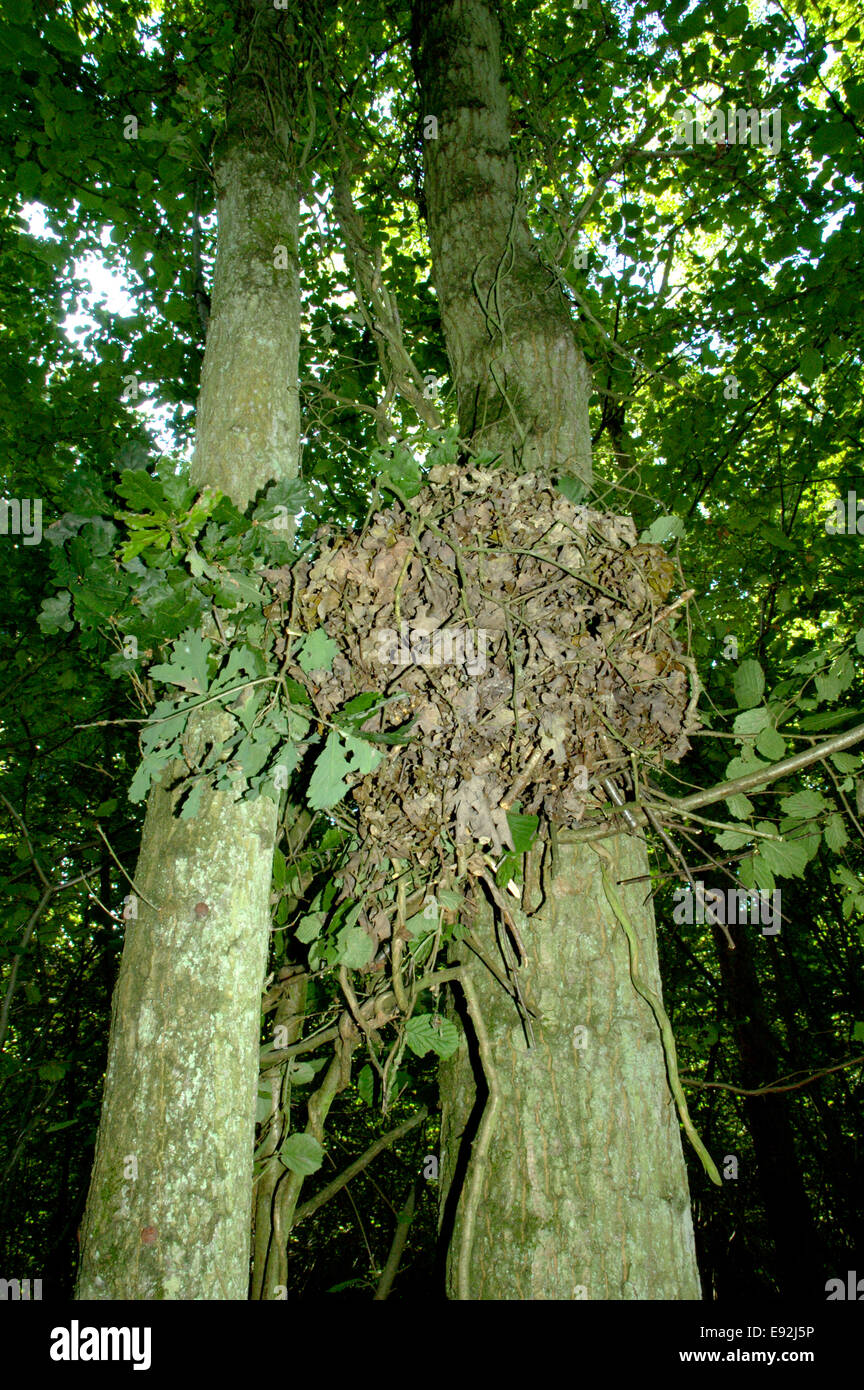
753 781
385 1142
775 1088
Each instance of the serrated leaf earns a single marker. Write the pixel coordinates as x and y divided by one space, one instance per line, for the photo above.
735 837
365 757
744 766
450 899
749 684
835 832
755 873
310 926
426 1033
302 1153
739 806
846 762
751 721
785 858
803 804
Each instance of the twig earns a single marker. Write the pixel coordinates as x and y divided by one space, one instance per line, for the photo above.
130 881
393 1136
400 1236
753 781
775 1088
481 1144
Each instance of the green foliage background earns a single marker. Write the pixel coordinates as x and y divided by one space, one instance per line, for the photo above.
720 303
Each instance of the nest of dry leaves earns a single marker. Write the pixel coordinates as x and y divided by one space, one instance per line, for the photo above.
532 639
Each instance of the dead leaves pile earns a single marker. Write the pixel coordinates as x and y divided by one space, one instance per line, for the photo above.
531 638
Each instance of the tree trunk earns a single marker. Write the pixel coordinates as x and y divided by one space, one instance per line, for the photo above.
583 1189
168 1213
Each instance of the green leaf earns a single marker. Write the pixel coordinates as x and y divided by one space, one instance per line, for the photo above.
431 1033
804 804
786 858
755 873
365 757
188 665
735 837
327 784
54 614
816 722
279 870
509 868
355 946
309 927
771 745
143 492
192 802
663 530
739 806
749 684
401 469
838 679
752 721
523 829
301 1153
316 651
846 762
835 832
744 766
574 489
810 365
54 1070
366 1084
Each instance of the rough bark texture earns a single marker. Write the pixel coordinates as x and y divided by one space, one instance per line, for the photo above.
170 1198
521 378
584 1189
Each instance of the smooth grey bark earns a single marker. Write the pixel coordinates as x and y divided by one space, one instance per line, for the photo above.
583 1189
168 1212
